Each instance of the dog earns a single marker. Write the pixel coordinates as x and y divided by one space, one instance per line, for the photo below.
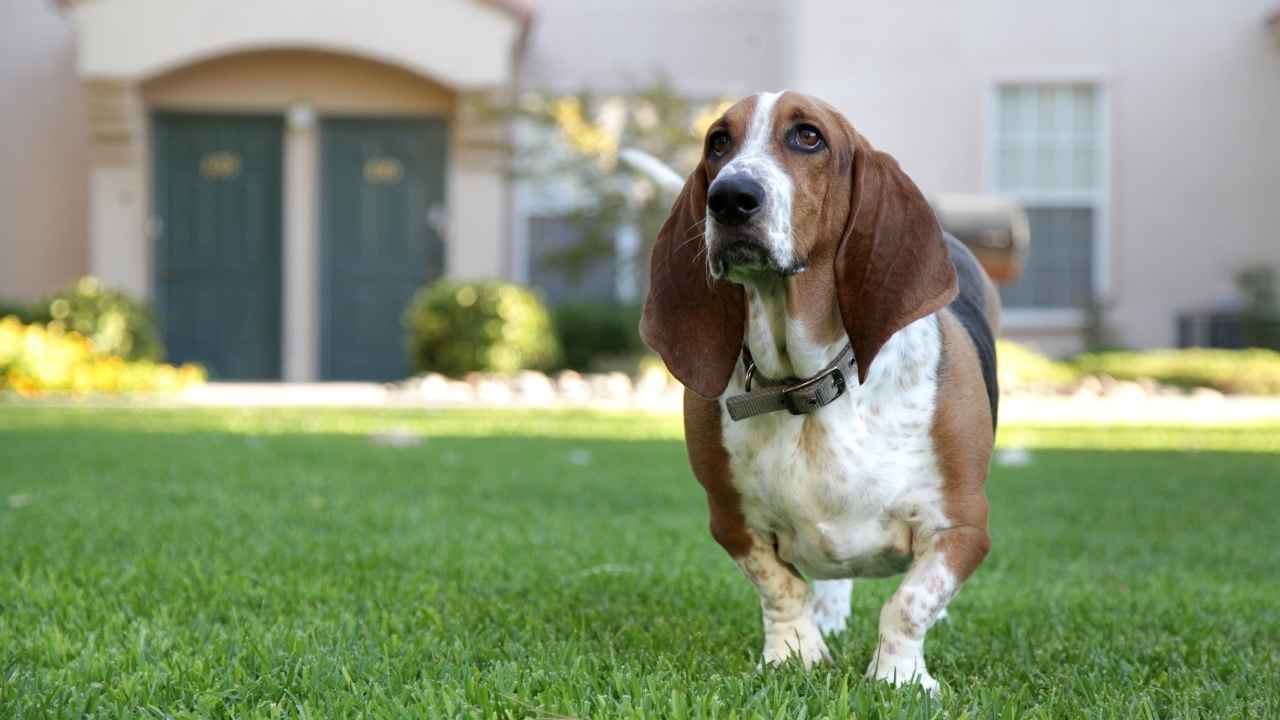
837 353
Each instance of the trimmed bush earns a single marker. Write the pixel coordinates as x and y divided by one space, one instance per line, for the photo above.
1244 372
589 332
1019 366
118 325
460 327
38 359
24 313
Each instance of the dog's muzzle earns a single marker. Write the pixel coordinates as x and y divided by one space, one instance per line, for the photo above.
739 254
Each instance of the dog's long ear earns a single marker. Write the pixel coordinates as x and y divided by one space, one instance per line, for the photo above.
892 267
694 323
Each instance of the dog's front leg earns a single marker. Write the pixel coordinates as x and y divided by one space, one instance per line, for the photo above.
786 602
787 605
948 558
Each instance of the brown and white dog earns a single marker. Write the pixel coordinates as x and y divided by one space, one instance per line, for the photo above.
792 242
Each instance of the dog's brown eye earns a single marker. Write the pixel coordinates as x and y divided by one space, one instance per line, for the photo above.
806 137
719 143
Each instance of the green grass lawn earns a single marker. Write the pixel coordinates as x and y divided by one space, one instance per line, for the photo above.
209 563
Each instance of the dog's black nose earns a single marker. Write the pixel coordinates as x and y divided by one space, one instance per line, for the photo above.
733 200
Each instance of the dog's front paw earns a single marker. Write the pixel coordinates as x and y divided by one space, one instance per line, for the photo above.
900 670
803 640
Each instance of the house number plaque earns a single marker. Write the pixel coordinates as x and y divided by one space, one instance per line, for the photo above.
383 170
220 165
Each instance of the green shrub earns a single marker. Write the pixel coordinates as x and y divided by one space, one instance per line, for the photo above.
1246 372
37 360
22 312
590 332
117 325
1020 366
455 328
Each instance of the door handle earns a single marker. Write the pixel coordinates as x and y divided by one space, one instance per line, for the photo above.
438 220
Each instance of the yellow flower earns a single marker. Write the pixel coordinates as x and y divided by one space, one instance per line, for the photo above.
585 138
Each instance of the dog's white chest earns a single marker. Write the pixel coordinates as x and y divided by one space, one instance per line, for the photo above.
842 489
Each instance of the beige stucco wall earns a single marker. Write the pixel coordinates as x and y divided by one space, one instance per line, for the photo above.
463 41
706 48
1195 97
43 152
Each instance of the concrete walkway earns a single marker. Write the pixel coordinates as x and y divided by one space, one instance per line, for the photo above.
1202 409
1206 409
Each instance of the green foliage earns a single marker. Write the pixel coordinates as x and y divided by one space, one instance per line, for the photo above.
1241 372
22 311
575 143
1261 316
1259 287
117 325
459 327
1020 366
246 563
40 359
590 331
1245 372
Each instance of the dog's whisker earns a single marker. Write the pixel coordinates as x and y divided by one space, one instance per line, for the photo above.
687 241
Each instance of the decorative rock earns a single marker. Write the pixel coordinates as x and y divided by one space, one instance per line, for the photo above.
614 387
433 386
1089 387
1127 391
1205 394
493 392
572 387
534 388
459 392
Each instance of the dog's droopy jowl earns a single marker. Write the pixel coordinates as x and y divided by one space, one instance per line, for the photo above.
802 285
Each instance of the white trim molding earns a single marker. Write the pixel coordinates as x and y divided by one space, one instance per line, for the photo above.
1042 319
300 288
1100 199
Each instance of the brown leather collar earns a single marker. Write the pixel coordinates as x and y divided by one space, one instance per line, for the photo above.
798 397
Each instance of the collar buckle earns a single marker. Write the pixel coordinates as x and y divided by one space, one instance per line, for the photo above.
815 393
797 397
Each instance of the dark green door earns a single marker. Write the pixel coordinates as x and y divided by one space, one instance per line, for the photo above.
217 251
383 201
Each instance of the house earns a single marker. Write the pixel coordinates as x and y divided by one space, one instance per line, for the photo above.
276 178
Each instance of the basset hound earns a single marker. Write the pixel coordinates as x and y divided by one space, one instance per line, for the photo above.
837 351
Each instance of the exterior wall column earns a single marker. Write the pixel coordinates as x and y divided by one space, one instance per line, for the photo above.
120 238
300 327
477 193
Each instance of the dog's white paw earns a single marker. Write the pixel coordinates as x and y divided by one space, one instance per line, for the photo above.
900 670
803 640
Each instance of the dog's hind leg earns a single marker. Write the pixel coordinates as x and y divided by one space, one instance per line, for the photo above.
831 604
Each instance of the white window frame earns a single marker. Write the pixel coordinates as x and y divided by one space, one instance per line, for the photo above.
1099 199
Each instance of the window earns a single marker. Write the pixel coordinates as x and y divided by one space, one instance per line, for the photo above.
549 238
1048 151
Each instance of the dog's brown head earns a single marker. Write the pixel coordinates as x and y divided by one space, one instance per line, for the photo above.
787 188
